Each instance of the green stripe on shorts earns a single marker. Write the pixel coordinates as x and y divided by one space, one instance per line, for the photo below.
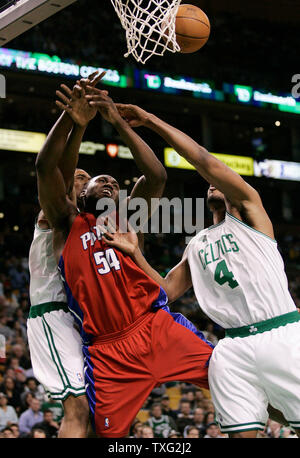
254 425
66 392
39 310
56 352
53 355
294 424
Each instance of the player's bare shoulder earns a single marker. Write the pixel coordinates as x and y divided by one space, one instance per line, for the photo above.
252 212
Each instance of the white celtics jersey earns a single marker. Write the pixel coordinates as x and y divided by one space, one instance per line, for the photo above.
238 274
45 282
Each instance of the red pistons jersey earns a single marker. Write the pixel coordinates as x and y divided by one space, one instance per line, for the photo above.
106 290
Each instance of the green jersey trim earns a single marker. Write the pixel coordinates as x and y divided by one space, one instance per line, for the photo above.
216 225
47 307
249 227
263 326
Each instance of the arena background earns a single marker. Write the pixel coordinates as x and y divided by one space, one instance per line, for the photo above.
240 106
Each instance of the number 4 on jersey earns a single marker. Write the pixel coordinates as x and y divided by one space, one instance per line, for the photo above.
223 275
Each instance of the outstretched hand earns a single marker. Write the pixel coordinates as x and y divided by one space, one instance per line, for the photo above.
74 101
92 80
100 101
124 241
133 115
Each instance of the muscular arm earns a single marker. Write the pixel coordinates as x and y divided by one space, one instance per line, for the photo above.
175 284
152 183
209 167
240 196
69 159
154 178
51 185
80 113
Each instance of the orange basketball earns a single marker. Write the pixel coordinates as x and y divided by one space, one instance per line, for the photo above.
192 28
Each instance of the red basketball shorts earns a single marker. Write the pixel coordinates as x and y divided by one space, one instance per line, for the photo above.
121 369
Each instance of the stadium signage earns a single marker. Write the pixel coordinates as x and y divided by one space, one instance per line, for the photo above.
32 142
246 94
91 148
43 63
281 170
168 84
187 85
18 140
240 164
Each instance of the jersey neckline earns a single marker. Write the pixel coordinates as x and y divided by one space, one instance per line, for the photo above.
217 224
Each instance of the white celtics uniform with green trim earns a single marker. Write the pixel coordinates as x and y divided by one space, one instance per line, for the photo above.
55 345
239 280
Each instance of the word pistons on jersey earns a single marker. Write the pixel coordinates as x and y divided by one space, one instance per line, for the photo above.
91 237
215 251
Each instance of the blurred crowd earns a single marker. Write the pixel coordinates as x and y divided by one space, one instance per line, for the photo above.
172 410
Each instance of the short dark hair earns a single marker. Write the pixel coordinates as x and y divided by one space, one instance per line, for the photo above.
155 404
185 400
190 427
213 423
31 378
41 430
6 428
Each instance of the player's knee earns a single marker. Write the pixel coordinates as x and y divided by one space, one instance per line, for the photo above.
76 408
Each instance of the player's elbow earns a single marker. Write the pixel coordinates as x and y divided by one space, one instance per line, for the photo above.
159 178
170 292
162 176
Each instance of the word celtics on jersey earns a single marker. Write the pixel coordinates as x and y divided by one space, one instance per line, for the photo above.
213 252
238 274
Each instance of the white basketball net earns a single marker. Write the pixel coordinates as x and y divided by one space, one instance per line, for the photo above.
149 26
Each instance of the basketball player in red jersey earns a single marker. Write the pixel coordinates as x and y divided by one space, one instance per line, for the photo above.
131 341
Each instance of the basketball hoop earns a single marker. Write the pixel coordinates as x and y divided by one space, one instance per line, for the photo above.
149 26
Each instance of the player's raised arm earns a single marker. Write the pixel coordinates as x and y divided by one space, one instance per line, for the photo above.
152 183
51 185
240 194
178 280
81 113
